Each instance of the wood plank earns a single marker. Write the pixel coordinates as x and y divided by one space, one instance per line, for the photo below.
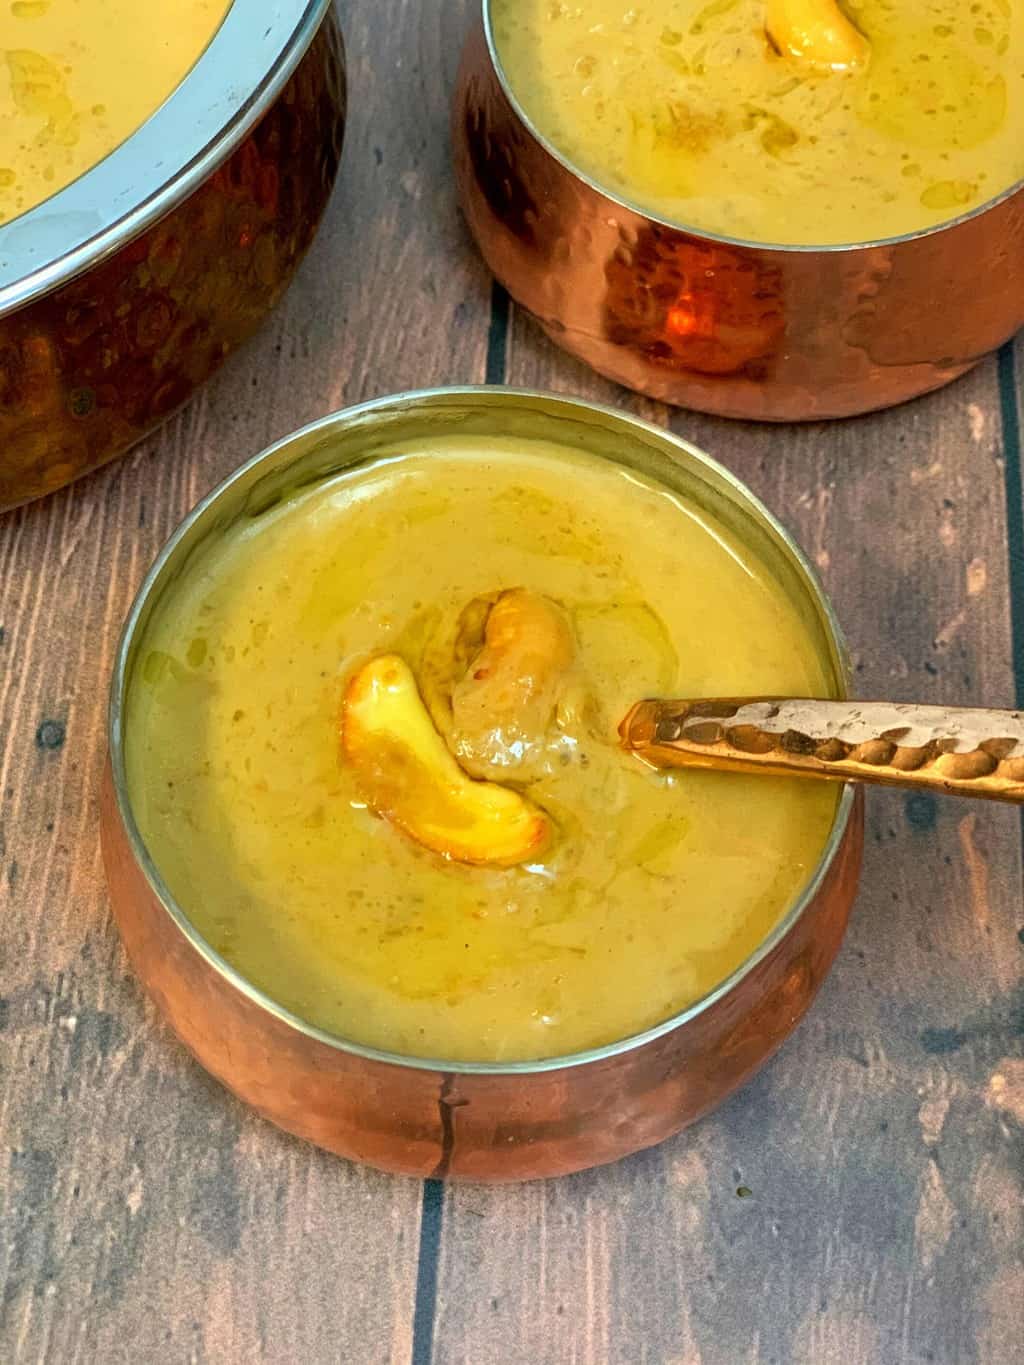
882 1147
145 1214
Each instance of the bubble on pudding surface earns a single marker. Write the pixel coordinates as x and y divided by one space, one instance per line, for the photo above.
949 194
675 109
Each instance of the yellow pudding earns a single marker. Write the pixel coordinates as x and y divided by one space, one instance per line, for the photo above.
785 121
371 748
77 77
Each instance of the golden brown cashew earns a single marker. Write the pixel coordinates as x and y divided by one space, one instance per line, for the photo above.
816 32
504 707
406 774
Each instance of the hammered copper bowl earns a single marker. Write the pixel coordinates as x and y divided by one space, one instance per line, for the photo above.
723 326
123 293
459 1120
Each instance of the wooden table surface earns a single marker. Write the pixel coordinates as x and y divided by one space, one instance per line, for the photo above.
146 1216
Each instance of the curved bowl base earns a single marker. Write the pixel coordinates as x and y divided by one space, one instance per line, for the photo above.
475 1126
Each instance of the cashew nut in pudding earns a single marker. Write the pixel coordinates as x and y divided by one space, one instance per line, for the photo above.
816 32
406 774
518 686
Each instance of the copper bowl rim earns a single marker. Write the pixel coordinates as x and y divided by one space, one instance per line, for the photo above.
231 85
676 225
485 395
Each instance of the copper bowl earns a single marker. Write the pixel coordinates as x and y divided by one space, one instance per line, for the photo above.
497 1122
712 323
124 292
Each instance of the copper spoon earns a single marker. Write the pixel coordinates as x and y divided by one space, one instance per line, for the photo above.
936 748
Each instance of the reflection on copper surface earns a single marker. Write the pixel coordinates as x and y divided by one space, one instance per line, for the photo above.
495 165
744 331
90 369
690 305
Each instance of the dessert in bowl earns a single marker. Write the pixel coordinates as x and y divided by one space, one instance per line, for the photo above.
777 209
81 78
162 171
370 837
913 115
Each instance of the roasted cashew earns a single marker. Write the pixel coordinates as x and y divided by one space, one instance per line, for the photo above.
816 32
406 774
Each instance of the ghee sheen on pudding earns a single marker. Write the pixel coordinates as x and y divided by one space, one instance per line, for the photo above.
652 889
686 108
77 77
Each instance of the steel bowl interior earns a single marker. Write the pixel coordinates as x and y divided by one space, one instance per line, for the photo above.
365 433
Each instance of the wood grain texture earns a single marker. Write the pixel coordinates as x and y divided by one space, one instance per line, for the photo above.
881 1151
145 1216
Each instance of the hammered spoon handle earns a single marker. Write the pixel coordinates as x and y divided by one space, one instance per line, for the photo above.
958 750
